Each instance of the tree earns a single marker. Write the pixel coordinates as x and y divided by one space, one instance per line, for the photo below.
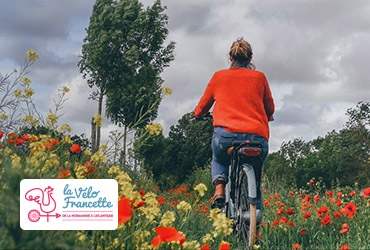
123 56
187 147
342 155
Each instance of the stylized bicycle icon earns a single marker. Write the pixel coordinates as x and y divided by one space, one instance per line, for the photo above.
34 215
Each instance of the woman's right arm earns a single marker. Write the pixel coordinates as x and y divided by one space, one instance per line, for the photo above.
206 101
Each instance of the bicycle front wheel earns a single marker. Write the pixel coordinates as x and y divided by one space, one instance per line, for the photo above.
246 212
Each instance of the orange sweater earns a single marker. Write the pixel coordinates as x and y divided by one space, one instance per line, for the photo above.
243 101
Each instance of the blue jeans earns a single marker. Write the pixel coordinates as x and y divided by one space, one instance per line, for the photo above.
221 141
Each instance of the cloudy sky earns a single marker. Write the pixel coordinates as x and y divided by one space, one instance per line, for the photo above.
315 54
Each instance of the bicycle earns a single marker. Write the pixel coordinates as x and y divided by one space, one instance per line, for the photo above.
243 189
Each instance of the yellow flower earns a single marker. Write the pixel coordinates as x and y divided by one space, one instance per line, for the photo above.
113 170
98 119
30 92
98 157
51 119
18 93
30 120
154 128
183 205
64 128
207 238
16 160
26 81
190 245
151 211
79 170
166 91
66 139
115 242
221 224
141 238
167 219
32 56
201 188
3 116
64 89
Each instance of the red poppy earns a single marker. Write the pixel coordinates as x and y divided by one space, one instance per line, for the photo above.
265 191
352 193
26 137
349 209
306 199
161 200
75 148
323 210
205 247
283 219
300 195
290 211
141 192
281 204
266 203
275 222
296 246
270 197
337 214
275 196
1 134
167 234
291 193
140 204
62 174
91 171
366 192
326 220
124 210
303 231
311 182
340 194
280 211
345 228
316 198
11 142
291 223
330 193
225 246
307 215
339 203
13 136
344 247
19 141
54 141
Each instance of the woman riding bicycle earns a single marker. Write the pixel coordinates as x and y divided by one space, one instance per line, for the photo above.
244 106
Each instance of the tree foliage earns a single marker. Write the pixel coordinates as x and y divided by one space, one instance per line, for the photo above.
342 155
187 147
123 56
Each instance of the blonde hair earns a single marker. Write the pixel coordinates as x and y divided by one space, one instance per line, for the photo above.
241 54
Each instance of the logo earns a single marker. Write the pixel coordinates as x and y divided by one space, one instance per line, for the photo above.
68 204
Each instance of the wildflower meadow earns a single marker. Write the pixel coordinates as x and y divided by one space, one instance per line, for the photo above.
313 217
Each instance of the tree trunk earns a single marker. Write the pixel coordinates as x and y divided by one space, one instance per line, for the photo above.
124 146
93 136
99 112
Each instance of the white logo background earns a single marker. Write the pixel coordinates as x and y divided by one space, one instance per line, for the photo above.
68 204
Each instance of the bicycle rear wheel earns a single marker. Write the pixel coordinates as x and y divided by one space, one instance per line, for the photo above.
246 212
